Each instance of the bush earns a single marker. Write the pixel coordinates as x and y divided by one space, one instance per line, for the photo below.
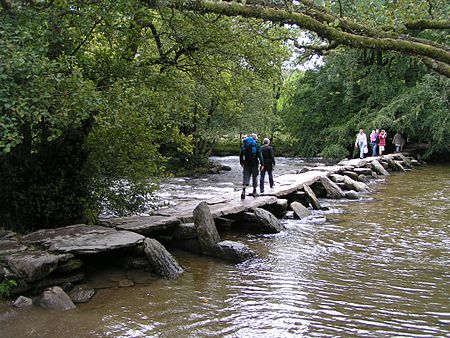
6 286
334 151
227 148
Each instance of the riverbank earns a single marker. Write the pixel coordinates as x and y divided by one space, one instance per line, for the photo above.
59 257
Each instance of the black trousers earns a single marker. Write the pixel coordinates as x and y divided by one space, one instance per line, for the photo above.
263 174
250 170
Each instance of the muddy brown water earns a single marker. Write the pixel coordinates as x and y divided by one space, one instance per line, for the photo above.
373 268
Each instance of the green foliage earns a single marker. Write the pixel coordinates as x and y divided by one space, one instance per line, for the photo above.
98 99
334 151
6 286
226 147
366 90
46 109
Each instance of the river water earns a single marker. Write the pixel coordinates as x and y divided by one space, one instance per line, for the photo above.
379 267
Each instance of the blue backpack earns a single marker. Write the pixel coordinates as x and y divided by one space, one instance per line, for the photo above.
249 149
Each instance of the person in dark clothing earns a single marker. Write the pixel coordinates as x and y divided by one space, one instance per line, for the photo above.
250 158
268 164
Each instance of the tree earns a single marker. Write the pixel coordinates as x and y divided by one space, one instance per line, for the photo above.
355 89
98 97
338 27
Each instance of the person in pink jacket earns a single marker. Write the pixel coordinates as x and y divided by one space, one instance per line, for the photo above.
382 141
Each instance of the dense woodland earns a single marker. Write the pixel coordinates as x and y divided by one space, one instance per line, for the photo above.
96 97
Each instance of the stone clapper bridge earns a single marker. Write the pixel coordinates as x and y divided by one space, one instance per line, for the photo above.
56 257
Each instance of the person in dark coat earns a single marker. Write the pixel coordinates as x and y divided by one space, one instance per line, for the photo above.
250 158
268 164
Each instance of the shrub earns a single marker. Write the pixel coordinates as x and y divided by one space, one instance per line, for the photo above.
6 286
334 151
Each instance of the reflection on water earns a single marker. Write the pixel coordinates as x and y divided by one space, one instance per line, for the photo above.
376 268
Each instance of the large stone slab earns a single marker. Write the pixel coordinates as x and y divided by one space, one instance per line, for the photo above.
83 239
35 265
10 245
233 251
287 184
279 208
363 171
379 169
312 196
163 263
351 184
207 233
269 223
351 174
143 225
185 231
333 169
332 189
300 210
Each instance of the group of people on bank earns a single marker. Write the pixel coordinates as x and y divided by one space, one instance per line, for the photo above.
378 141
256 159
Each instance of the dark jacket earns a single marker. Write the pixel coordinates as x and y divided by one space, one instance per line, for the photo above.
268 157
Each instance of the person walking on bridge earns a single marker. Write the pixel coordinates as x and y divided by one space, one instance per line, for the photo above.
361 142
382 141
374 141
250 158
398 141
268 164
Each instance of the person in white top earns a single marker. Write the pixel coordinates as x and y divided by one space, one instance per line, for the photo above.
361 142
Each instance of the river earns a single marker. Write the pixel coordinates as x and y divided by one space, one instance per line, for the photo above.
378 267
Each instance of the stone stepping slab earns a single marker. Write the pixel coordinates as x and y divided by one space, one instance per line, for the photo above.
83 239
143 225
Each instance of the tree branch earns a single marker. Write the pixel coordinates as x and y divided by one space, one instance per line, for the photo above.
342 31
87 36
437 66
428 24
318 49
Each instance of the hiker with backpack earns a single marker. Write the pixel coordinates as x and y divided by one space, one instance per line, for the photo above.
268 164
250 159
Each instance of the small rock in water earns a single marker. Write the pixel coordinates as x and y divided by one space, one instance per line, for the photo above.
81 295
352 195
55 298
22 302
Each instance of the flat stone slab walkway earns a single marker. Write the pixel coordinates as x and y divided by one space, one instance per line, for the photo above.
115 233
224 205
83 239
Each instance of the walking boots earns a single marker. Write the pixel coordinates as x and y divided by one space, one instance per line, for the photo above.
255 194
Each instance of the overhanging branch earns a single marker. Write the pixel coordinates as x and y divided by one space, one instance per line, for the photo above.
428 24
318 20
